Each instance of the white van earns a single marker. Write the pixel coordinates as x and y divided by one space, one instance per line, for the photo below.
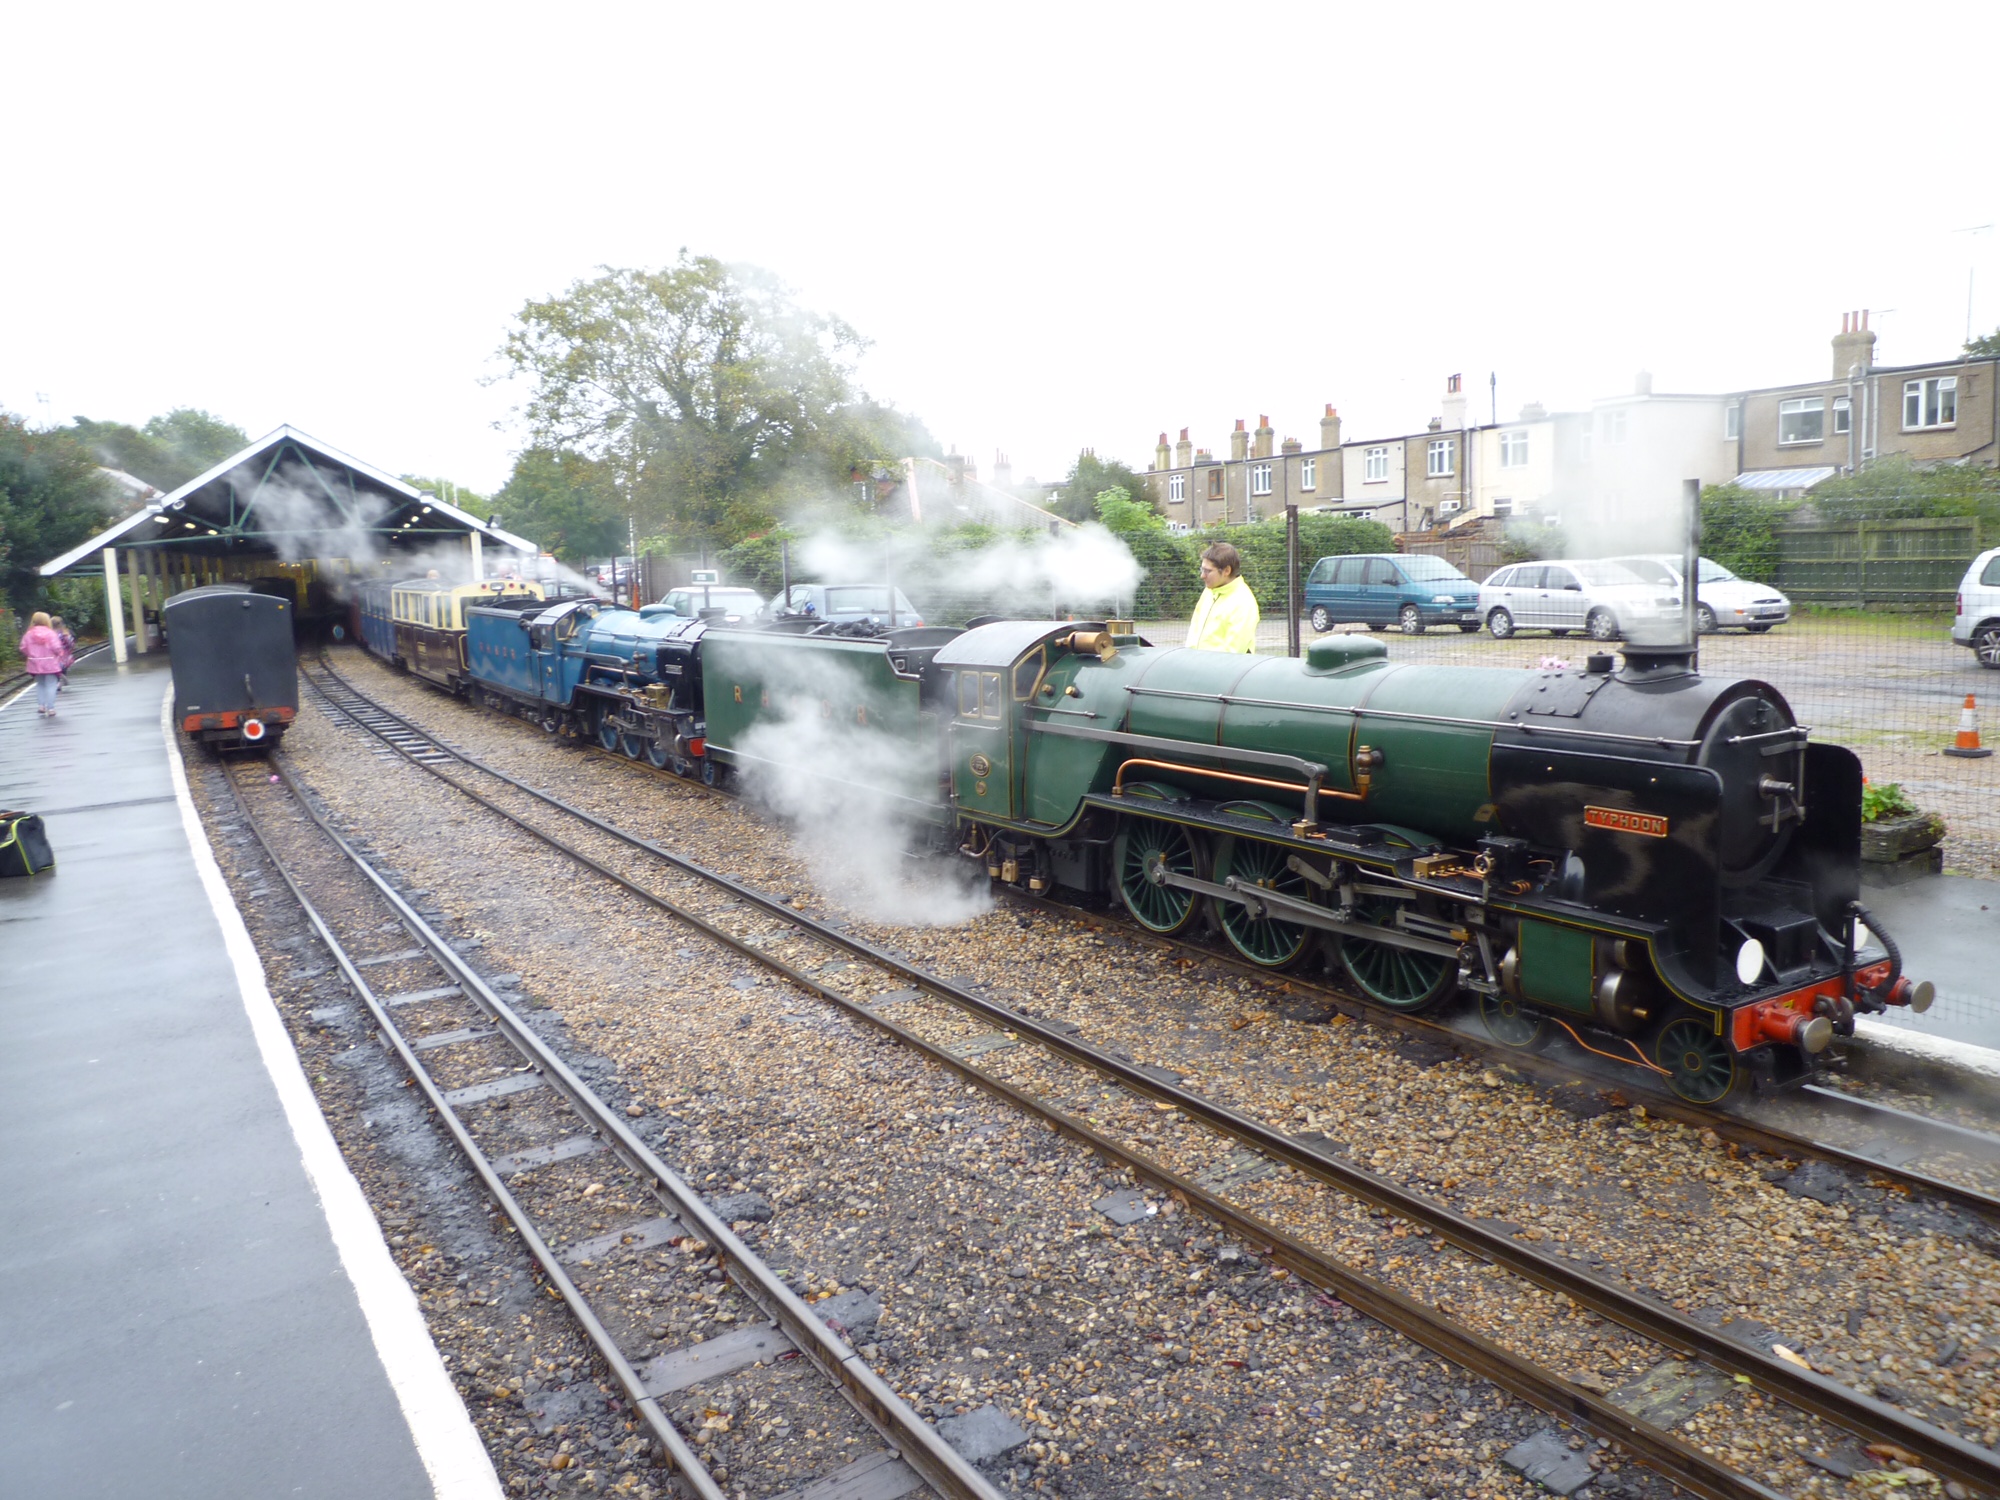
1977 623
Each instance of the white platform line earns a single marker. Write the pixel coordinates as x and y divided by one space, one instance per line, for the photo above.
446 1441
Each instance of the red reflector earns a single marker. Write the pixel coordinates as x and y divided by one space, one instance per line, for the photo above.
697 747
253 729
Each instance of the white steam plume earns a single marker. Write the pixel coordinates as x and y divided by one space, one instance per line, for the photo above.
1084 568
850 791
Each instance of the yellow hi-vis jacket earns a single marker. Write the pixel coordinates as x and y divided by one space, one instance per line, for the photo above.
1225 619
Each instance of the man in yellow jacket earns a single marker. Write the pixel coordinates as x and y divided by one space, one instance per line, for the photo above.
1226 617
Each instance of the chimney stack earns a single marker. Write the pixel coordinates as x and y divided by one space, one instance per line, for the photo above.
1853 346
1162 454
1003 471
1183 451
1329 428
1454 404
1642 383
1239 443
1264 436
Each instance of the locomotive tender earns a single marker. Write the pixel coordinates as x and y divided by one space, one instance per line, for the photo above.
1659 863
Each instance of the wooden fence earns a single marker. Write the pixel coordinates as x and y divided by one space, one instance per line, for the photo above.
1473 549
1897 565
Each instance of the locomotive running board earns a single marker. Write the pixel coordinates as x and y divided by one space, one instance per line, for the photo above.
1270 904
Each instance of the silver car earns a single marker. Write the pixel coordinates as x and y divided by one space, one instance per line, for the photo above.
1599 599
1724 602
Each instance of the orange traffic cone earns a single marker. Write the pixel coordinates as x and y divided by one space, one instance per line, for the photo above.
1967 746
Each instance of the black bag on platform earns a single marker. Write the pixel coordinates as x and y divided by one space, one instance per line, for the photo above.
24 845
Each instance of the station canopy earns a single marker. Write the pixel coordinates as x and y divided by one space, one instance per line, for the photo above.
289 498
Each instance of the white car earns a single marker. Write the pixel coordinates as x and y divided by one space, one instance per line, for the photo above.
692 599
1977 622
1724 601
1601 599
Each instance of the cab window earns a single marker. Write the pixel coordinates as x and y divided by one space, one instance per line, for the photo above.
989 695
1027 674
968 695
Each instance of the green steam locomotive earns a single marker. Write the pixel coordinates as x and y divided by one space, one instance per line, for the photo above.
1658 863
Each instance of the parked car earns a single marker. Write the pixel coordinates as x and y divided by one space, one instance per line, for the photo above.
1723 601
1380 589
1601 599
738 604
844 603
1977 622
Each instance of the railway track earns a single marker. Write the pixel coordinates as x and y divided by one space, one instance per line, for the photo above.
465 1025
1898 1132
1944 1452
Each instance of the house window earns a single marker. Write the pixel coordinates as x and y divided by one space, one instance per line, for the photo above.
1308 473
1440 459
1614 425
1513 450
1502 508
1375 466
1843 414
1215 484
1260 479
1446 507
1930 403
1802 419
1176 488
1732 421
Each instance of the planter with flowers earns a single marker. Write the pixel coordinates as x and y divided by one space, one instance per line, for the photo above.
1899 841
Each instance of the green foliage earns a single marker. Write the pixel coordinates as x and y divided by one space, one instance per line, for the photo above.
704 392
51 498
1530 541
1893 488
564 501
168 451
1123 516
1089 477
1263 547
1739 529
1885 799
1986 346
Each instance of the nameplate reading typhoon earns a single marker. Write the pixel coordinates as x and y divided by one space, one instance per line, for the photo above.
1652 825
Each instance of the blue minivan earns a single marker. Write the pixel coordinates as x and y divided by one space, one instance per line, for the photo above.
1380 589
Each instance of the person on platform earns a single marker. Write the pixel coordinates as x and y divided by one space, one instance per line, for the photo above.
42 651
1226 617
68 651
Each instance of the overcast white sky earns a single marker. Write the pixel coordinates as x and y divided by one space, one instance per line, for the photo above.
1061 226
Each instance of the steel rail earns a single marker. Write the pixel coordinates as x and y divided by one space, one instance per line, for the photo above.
1806 1389
915 1442
690 1469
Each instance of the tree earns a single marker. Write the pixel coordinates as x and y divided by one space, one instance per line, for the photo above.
168 451
1739 530
1089 477
565 502
1122 515
701 389
1894 488
51 497
1986 346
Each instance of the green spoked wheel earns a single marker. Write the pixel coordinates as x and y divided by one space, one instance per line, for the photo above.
1700 1067
1264 941
1512 1024
1400 978
1142 848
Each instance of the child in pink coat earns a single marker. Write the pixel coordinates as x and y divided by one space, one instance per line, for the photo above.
43 651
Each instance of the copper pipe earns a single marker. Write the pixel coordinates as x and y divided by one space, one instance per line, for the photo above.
1118 781
1638 1056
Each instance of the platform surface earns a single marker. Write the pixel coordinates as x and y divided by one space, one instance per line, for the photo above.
179 1319
1948 927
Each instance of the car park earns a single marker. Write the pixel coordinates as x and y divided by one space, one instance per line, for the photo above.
1976 622
1378 589
1723 601
1598 599
846 604
693 600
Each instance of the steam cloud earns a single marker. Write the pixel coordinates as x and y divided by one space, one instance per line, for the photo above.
1082 568
837 782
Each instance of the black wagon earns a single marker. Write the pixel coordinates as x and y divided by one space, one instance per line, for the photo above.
236 678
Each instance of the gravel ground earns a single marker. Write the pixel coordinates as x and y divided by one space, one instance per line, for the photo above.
1152 1358
1876 1290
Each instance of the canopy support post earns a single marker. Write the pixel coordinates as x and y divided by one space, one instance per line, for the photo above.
138 601
114 607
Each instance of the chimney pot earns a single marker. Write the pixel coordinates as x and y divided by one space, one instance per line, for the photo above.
1239 424
1330 411
1184 436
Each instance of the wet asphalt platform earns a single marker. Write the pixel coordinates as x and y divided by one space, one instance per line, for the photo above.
194 1300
